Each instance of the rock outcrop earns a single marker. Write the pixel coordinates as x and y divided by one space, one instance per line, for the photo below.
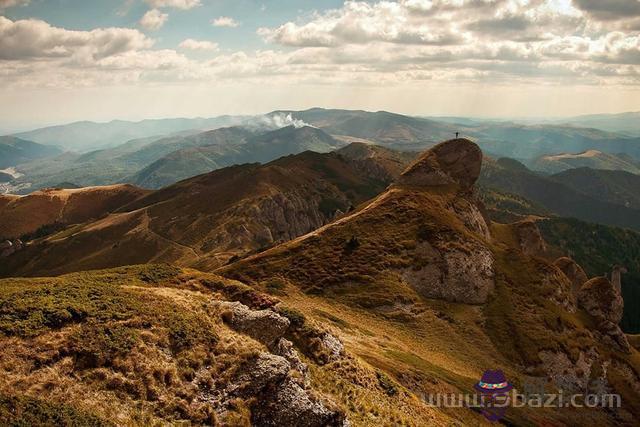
603 302
457 161
452 274
574 273
616 277
281 397
265 326
530 239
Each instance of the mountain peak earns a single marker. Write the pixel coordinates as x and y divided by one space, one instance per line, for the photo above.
456 161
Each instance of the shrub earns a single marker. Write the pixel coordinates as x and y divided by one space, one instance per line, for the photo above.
96 345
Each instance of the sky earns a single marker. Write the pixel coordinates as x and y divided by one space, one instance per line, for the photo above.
69 60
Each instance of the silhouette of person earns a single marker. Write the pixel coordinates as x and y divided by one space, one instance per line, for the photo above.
457 134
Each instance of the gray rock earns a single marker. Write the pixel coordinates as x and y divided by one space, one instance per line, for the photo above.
530 238
283 347
265 326
453 275
291 405
574 273
265 370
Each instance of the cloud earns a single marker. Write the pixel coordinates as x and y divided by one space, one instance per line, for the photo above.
191 44
276 121
36 39
225 21
153 20
5 4
610 9
177 4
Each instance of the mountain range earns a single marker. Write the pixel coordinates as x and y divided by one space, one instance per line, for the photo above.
318 289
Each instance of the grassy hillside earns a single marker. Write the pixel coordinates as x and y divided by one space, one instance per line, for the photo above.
43 212
206 220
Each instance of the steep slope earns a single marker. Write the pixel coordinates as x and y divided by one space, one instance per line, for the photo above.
593 159
14 151
618 187
239 147
377 161
510 176
56 208
423 290
206 220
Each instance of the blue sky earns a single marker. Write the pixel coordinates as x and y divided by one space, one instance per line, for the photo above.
66 60
192 23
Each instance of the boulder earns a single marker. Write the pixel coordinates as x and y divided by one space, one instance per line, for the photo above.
291 405
456 161
530 238
280 400
265 326
283 347
574 273
601 300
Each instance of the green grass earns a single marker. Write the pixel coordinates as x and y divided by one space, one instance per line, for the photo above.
22 411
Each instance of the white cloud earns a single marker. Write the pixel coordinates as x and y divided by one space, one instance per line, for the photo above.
225 21
4 4
153 20
191 44
177 4
36 39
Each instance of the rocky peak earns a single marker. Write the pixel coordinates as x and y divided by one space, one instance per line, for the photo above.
456 161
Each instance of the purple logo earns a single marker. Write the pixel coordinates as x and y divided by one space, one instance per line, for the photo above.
494 390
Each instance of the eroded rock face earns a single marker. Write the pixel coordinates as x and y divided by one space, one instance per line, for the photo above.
601 299
471 216
452 274
290 405
530 238
265 326
574 377
456 161
574 273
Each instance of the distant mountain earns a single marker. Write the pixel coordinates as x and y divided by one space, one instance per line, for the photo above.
623 122
14 151
240 146
393 130
593 159
87 136
510 176
206 220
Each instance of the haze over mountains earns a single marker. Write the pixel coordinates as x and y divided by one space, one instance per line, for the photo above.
155 159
